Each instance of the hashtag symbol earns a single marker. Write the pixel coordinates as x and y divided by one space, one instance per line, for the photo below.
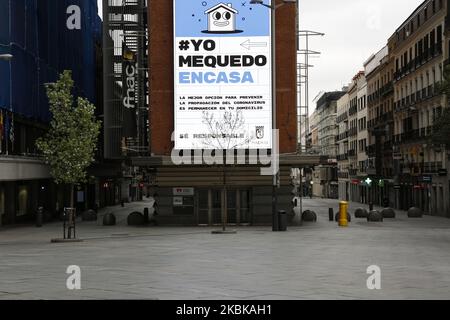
184 45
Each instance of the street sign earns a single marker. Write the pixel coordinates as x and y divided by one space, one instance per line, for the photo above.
178 201
183 191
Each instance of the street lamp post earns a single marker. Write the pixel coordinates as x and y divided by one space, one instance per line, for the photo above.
275 178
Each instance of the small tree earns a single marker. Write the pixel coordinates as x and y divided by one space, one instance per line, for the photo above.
70 144
225 135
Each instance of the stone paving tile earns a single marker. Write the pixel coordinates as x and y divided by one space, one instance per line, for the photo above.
316 261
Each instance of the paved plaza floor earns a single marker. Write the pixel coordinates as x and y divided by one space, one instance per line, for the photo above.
315 261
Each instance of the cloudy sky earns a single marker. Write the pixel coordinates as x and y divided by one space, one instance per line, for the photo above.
354 30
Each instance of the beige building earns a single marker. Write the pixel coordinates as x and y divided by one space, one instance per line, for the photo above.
420 53
343 106
352 140
326 176
379 75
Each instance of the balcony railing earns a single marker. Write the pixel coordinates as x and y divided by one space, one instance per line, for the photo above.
432 167
353 110
343 175
413 135
353 132
433 51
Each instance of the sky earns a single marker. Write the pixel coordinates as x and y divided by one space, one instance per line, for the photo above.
354 30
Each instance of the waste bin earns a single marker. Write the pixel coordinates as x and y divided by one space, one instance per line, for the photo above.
39 217
282 220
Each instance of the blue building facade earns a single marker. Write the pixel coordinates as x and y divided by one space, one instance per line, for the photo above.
35 32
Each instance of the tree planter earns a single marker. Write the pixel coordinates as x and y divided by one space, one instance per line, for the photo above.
361 213
388 213
109 219
309 216
89 215
136 219
375 216
415 213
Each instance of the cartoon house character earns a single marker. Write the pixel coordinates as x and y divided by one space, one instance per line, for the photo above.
222 18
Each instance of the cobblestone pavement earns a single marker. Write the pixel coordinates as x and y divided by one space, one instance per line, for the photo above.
315 261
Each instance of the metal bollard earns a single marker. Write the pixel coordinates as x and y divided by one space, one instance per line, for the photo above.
343 206
39 217
146 216
370 206
331 214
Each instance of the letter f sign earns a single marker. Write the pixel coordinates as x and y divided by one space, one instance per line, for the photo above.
374 281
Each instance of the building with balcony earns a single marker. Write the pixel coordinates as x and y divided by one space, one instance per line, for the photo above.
343 147
379 75
326 183
419 49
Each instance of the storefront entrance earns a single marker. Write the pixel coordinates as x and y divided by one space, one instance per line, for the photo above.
210 207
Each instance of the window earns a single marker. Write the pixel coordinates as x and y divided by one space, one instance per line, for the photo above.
439 38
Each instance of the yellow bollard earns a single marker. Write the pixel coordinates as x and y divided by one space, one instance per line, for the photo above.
343 206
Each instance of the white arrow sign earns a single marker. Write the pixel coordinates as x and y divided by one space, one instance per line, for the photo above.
248 44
